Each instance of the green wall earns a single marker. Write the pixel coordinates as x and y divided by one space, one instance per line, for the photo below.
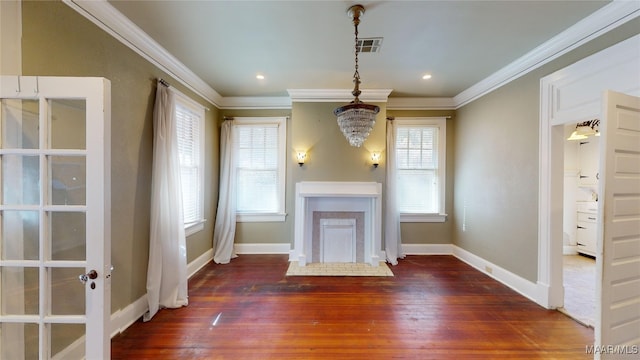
312 127
433 233
57 41
496 165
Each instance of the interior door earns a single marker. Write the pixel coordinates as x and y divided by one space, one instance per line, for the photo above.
619 252
55 226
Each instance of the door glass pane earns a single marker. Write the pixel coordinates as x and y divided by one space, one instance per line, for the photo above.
67 292
68 233
67 124
19 341
20 180
20 235
68 180
19 124
19 290
67 341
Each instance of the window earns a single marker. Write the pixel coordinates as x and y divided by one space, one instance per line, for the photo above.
420 158
190 129
260 172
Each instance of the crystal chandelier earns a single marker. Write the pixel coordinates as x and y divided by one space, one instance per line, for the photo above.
357 118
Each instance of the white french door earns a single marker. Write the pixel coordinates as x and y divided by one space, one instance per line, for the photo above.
618 257
55 251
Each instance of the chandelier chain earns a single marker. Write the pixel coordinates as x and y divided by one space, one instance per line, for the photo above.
356 75
356 119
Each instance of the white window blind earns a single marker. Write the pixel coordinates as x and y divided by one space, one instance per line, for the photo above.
260 171
189 123
417 161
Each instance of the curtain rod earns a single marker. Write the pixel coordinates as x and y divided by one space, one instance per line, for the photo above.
165 83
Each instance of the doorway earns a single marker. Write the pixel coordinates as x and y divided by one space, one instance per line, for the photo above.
580 206
583 91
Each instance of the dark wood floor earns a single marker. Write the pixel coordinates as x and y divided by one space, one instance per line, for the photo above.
435 307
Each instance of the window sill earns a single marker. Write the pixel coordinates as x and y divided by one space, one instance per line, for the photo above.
273 217
194 227
423 218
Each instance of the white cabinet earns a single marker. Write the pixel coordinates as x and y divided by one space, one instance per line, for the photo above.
586 234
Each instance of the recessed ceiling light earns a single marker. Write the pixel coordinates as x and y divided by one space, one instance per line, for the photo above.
260 77
426 76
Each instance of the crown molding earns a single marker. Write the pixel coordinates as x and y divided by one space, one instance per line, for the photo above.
109 19
417 103
255 102
605 19
337 95
105 16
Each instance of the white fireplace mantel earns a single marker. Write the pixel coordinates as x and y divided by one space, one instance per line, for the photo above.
338 196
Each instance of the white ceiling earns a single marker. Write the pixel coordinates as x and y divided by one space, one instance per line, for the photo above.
309 44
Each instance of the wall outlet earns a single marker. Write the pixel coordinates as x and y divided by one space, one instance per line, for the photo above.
488 269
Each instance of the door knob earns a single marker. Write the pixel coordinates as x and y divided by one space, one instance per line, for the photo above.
90 275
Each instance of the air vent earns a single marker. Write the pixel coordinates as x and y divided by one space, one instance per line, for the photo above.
369 45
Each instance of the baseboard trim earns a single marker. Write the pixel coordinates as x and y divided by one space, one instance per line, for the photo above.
123 318
199 262
517 283
273 248
524 287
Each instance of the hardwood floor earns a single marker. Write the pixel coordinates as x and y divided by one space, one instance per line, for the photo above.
435 307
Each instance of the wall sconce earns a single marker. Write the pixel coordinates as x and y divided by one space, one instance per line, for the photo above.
301 156
375 159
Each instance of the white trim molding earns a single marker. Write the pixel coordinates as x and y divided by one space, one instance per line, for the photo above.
120 27
517 283
337 95
524 287
605 19
421 103
109 19
255 102
567 96
123 318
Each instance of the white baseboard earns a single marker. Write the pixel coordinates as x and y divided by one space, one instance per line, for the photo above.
199 262
274 248
123 318
517 283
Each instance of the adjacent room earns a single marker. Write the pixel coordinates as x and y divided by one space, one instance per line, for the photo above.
319 179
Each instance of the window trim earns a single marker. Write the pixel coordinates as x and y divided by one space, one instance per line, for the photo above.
440 123
280 214
184 101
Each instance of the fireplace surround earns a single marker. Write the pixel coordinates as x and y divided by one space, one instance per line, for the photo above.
336 197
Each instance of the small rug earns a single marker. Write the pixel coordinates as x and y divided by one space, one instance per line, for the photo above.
338 269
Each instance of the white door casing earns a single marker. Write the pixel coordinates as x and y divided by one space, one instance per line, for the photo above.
568 96
618 254
64 182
